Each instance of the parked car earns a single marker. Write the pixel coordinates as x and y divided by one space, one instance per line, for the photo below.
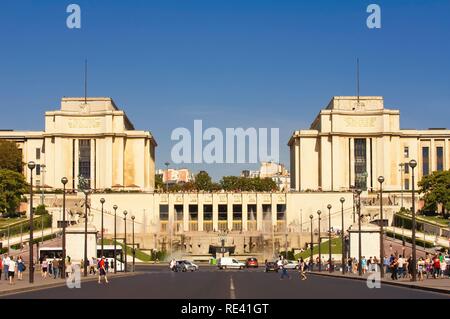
271 266
251 262
228 262
185 265
291 264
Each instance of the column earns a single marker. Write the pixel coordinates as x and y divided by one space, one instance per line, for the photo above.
352 161
244 212
229 212
186 216
215 209
259 213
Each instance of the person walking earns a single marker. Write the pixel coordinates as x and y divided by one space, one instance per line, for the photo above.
1 267
20 268
401 264
44 267
282 264
55 268
102 271
11 271
6 260
420 268
301 268
69 271
92 264
436 267
394 268
364 265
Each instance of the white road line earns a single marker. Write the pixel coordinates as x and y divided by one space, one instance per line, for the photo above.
232 291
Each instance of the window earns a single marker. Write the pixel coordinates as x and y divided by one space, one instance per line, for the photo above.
38 153
207 212
407 184
84 162
237 212
38 169
425 160
360 163
406 168
223 212
406 152
163 212
440 158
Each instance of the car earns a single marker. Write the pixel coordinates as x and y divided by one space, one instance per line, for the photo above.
185 265
228 262
291 264
271 266
251 262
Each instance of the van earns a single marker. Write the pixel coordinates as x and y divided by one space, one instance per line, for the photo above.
228 262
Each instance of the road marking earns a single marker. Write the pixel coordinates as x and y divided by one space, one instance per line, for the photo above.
232 291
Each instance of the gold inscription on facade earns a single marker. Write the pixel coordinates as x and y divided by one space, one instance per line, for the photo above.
85 123
360 122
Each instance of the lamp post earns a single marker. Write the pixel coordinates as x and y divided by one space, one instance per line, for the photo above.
402 169
320 257
358 192
125 240
31 166
329 237
381 181
222 237
102 201
86 193
312 240
167 176
133 250
115 238
64 181
342 200
413 164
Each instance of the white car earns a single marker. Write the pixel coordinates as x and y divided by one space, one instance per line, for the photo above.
227 262
291 264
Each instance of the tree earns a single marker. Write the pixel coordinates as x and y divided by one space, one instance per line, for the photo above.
159 182
12 187
203 181
436 190
244 184
41 210
10 156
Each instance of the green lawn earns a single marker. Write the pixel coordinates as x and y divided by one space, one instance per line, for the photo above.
139 253
336 248
436 219
5 222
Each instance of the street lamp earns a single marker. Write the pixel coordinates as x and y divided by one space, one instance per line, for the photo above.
223 237
64 181
86 193
320 258
329 237
115 238
134 251
31 166
413 164
125 241
381 181
358 192
167 176
342 200
102 201
312 240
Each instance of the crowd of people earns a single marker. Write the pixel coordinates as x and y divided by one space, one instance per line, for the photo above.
9 266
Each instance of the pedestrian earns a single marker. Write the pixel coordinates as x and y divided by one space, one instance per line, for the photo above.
102 270
55 268
20 268
420 268
386 264
401 264
50 267
11 270
436 267
92 266
394 268
6 260
1 267
44 267
282 263
443 266
409 266
364 264
301 268
69 271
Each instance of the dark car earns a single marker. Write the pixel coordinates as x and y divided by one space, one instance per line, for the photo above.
251 262
271 266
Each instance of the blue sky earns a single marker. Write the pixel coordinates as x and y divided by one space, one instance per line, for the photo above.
230 63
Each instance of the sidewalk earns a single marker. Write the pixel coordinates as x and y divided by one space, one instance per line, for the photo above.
49 282
441 285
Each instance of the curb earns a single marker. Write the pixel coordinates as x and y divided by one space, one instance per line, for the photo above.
397 284
53 285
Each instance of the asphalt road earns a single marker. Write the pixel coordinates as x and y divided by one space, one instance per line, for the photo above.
211 283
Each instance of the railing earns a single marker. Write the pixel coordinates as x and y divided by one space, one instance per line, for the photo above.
223 225
207 225
251 225
237 225
193 226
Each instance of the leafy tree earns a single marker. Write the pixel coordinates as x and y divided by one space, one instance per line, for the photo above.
203 181
436 190
10 156
159 182
235 183
12 187
40 210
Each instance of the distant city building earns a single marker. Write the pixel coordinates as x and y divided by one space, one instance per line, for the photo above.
276 171
176 176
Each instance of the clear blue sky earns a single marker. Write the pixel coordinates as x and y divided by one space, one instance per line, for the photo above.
230 63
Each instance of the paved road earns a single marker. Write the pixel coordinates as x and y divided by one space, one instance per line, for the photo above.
210 283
